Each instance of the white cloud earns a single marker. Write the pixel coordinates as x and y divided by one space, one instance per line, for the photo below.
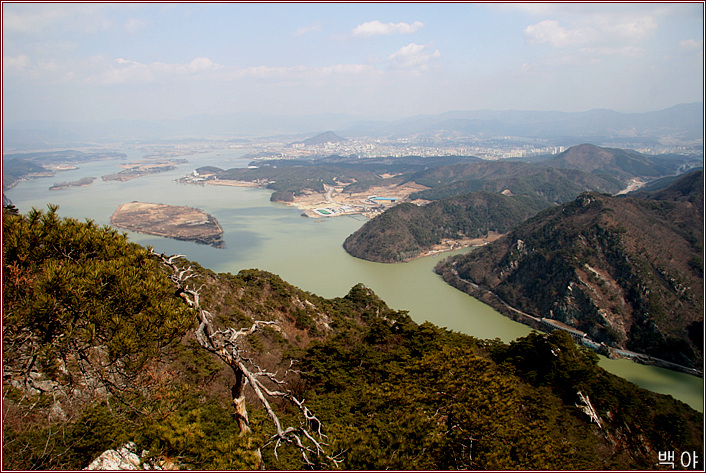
692 44
263 72
99 70
20 62
40 17
549 31
302 73
414 55
30 21
308 29
630 28
375 27
348 69
125 71
625 51
202 64
613 32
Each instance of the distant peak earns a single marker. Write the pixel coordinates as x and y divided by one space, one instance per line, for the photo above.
322 138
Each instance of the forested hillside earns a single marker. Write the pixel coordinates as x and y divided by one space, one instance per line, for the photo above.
468 201
104 348
290 181
15 169
406 230
627 271
405 233
622 164
555 185
289 178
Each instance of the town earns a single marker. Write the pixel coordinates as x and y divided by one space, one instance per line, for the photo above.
490 148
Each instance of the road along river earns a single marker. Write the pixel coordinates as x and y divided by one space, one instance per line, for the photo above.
306 252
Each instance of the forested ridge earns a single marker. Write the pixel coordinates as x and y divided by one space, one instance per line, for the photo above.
553 184
467 201
622 164
551 181
406 230
628 271
100 350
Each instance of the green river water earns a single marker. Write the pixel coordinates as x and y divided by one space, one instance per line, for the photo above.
305 252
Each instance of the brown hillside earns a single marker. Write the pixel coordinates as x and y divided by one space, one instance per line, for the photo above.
626 271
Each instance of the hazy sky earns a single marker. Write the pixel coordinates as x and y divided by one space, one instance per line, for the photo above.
152 61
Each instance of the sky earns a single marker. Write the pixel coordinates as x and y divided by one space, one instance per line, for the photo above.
152 61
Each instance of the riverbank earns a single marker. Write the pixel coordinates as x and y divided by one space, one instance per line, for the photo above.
547 325
334 202
448 245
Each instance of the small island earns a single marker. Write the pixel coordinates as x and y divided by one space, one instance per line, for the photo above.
84 181
170 221
143 168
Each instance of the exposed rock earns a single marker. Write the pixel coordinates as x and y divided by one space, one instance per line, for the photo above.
123 459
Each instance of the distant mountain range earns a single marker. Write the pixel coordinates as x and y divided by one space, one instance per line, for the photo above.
684 121
679 124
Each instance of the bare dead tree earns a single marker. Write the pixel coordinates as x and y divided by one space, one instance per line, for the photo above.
227 345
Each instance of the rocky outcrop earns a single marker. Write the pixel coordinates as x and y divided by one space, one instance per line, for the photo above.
123 459
126 458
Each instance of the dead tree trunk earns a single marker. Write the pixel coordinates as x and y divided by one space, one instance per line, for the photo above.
238 392
226 344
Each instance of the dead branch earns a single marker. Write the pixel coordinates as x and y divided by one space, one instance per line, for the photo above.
227 345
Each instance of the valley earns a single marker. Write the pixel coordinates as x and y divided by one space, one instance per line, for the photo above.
458 195
244 236
462 201
334 201
361 362
418 207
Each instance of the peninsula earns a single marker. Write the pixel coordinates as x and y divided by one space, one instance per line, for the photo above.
170 221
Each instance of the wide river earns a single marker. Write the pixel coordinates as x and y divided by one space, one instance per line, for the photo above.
303 251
